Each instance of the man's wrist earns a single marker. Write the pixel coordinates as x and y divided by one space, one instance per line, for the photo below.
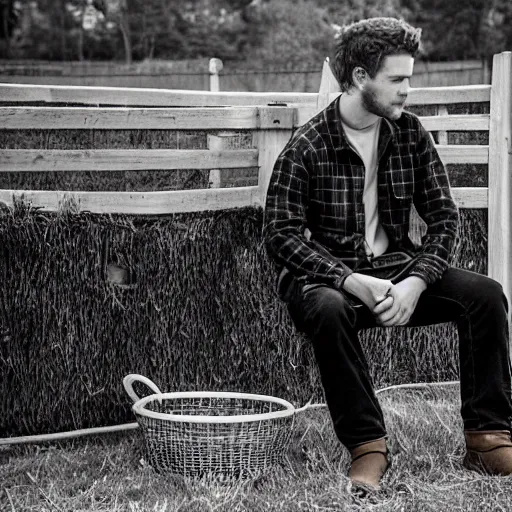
418 282
352 284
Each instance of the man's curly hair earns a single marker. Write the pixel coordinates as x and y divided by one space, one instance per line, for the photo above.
367 43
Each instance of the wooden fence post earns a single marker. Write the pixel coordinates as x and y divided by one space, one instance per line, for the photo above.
500 174
442 136
214 66
270 142
218 142
328 86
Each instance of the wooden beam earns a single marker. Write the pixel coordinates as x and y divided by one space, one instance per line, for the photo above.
124 159
476 122
196 118
328 86
156 203
442 135
305 113
471 197
128 96
218 142
270 144
174 201
449 94
500 175
463 154
444 95
114 118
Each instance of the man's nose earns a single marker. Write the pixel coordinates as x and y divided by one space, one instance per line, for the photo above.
404 87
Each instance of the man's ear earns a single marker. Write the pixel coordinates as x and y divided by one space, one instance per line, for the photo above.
359 77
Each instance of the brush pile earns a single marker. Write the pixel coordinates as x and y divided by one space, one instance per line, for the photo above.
194 308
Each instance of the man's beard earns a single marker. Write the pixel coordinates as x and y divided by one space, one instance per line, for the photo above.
372 105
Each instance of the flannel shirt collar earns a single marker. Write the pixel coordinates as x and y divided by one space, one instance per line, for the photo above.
388 130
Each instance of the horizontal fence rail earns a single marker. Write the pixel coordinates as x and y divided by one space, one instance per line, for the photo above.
463 154
23 160
196 118
225 118
16 93
179 201
151 203
459 123
22 93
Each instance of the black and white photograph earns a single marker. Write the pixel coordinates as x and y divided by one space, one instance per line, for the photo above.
255 255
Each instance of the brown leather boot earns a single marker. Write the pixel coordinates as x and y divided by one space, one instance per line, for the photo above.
369 463
488 451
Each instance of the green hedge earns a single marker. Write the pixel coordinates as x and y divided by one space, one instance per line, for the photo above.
201 314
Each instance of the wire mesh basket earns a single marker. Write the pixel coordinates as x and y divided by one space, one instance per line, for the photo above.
219 434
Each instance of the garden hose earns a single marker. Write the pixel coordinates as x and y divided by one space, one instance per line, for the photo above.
59 436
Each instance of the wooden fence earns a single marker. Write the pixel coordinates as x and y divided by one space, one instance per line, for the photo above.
150 73
271 118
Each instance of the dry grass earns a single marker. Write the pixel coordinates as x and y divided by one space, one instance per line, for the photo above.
101 474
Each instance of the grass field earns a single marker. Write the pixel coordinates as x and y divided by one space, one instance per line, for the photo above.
108 473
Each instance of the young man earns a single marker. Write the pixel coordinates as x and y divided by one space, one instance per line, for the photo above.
350 176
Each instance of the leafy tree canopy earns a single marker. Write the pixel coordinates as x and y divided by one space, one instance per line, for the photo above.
254 32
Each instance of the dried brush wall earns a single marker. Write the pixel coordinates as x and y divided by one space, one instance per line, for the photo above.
198 312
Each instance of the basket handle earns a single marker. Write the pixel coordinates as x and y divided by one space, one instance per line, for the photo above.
133 377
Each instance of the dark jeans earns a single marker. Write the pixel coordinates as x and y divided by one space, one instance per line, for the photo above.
475 302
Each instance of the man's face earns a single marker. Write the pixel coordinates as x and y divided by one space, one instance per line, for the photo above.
385 94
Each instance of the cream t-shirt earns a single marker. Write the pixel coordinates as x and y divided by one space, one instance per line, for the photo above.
365 143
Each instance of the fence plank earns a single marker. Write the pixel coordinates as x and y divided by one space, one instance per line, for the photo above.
449 94
444 95
124 159
162 202
500 174
196 118
477 122
470 122
68 118
270 144
174 201
328 86
218 142
463 154
471 197
124 96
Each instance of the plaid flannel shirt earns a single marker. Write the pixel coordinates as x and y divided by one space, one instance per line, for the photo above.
317 183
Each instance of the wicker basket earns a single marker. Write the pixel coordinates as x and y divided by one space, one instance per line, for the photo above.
225 435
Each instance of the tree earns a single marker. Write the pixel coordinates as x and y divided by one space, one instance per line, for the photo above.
117 12
253 32
8 20
350 11
301 40
454 30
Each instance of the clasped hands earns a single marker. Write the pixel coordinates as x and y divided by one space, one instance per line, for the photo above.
391 304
